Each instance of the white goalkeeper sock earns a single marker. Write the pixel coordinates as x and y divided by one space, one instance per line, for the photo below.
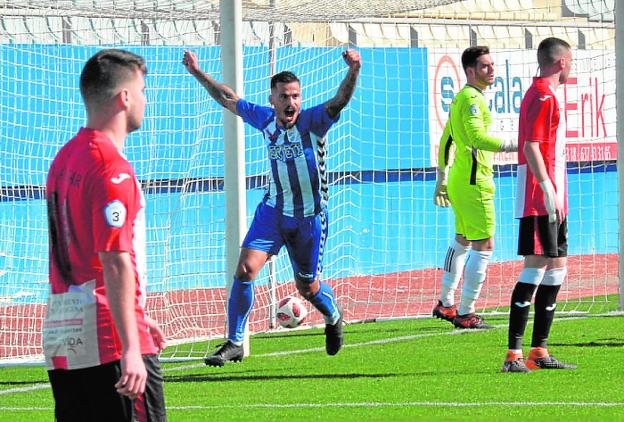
474 275
453 269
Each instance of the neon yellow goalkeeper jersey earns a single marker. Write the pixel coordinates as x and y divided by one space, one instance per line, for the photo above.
469 119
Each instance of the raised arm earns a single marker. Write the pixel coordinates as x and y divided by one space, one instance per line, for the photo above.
222 93
347 87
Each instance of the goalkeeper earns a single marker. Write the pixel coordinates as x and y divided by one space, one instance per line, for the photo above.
469 190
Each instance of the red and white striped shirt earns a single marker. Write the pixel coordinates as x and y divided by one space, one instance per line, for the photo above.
539 122
95 204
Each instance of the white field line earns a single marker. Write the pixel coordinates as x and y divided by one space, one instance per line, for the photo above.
41 386
385 341
317 349
395 404
322 349
291 352
367 405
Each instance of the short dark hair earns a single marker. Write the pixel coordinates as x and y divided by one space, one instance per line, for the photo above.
283 77
471 54
550 50
103 73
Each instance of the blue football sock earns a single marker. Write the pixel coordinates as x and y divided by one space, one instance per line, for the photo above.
325 302
240 304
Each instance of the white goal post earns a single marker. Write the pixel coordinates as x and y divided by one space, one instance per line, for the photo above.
386 238
619 89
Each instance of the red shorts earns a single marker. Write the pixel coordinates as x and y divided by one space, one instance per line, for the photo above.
537 236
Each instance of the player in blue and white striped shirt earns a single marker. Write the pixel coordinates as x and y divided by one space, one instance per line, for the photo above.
293 211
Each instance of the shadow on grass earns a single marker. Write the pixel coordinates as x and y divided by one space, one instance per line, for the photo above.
291 334
607 342
31 382
349 330
205 378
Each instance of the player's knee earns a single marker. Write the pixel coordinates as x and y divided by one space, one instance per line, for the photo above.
306 284
462 241
305 292
532 276
245 273
554 276
484 245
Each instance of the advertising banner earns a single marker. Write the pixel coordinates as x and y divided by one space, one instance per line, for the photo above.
587 100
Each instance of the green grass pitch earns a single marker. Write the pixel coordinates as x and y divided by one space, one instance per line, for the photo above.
420 369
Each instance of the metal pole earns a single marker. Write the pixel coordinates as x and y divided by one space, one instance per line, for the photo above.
272 273
619 94
272 293
272 41
234 140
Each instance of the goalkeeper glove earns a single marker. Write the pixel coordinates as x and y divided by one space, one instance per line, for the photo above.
440 197
509 145
550 199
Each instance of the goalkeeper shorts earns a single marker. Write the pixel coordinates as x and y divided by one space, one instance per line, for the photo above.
473 207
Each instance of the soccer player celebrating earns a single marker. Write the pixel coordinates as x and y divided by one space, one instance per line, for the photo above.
470 190
100 347
542 207
293 212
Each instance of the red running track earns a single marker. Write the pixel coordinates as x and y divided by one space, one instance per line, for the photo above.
201 312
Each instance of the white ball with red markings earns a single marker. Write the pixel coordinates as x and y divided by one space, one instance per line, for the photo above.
291 312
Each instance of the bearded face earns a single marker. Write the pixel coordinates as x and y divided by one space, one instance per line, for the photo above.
286 101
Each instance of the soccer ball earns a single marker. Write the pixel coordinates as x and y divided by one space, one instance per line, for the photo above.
291 312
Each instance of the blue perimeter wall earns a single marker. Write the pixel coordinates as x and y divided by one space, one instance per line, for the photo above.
42 104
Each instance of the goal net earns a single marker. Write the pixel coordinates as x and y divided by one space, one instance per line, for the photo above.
387 240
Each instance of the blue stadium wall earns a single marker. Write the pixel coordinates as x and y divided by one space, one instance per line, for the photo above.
395 191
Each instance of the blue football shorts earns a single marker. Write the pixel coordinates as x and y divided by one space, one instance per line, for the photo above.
304 238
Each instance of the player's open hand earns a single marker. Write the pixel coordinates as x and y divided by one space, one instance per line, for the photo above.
190 62
509 145
440 197
353 59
